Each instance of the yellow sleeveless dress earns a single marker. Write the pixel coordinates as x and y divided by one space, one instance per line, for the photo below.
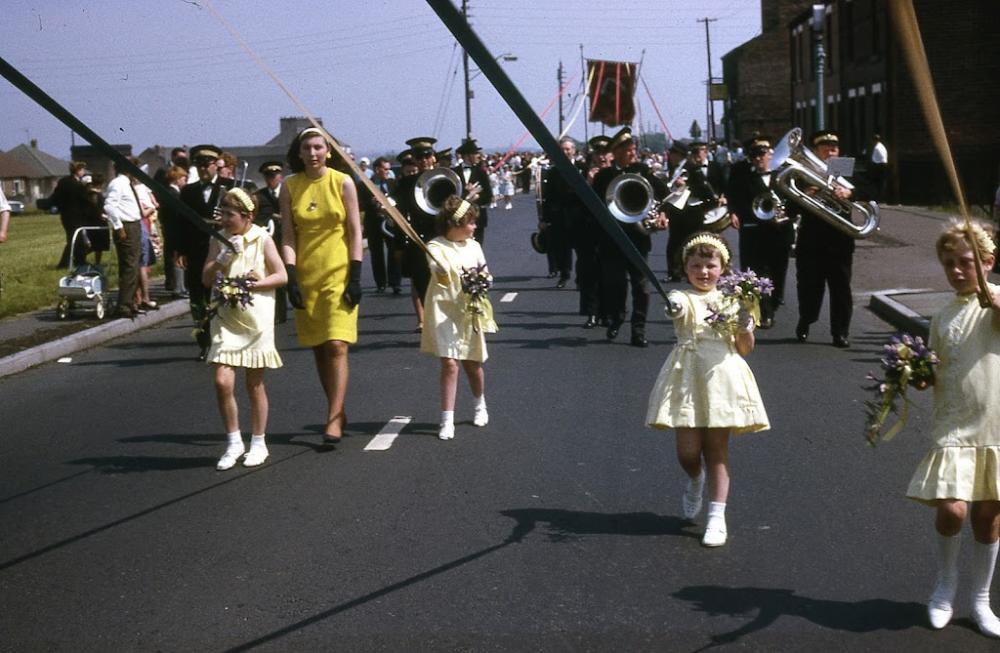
244 337
322 259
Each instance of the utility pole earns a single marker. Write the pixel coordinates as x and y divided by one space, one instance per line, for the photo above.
708 88
465 67
559 80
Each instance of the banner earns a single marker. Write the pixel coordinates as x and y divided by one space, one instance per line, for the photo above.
611 89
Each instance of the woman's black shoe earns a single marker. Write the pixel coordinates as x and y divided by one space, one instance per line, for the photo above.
841 342
591 322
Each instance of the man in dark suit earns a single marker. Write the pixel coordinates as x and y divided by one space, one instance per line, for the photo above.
472 171
618 275
203 197
764 244
374 217
824 256
269 217
560 209
707 184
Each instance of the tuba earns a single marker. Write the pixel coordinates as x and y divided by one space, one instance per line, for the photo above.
434 186
796 167
629 198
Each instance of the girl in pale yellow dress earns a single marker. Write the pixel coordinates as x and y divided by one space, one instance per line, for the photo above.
960 475
243 336
451 331
321 247
705 390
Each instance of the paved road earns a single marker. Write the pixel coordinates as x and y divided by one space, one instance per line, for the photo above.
555 528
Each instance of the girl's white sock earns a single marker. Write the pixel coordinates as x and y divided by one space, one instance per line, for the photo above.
939 608
480 417
447 417
984 559
258 451
233 451
447 430
480 401
235 439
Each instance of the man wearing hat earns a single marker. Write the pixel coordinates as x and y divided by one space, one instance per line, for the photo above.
678 233
707 184
202 196
764 245
414 261
824 256
471 171
385 269
269 217
618 275
444 157
561 212
584 232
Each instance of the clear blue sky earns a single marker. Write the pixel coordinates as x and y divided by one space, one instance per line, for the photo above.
377 71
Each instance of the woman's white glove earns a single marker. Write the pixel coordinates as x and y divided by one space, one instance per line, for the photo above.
744 321
673 309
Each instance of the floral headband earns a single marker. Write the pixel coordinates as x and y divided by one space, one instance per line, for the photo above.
711 240
242 197
460 211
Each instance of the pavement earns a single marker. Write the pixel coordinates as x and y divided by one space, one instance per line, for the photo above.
905 309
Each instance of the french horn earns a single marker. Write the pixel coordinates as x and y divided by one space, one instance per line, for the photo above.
434 186
796 168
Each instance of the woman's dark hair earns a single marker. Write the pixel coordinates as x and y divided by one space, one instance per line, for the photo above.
295 162
445 219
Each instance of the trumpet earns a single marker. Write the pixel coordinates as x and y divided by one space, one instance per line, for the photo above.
795 164
434 186
678 197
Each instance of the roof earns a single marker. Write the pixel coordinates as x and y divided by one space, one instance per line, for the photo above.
11 168
40 163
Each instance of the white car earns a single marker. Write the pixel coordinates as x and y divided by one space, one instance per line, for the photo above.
16 207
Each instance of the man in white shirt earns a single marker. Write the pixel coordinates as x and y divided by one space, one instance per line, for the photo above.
4 216
878 167
122 208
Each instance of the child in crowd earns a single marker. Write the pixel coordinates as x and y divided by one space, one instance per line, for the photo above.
959 476
243 335
456 321
705 390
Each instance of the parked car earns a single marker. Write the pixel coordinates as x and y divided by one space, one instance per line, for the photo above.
16 207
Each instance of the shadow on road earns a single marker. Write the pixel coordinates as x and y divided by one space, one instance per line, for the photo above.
771 604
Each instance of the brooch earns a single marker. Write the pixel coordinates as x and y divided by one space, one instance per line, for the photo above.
311 207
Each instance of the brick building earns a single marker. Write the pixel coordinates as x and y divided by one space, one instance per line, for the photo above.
868 89
757 75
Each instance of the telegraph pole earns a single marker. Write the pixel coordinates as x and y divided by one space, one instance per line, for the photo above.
817 22
708 88
465 67
559 80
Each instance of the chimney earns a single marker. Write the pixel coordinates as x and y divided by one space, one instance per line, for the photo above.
34 143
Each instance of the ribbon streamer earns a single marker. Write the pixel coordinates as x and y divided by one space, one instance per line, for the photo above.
46 101
387 206
464 34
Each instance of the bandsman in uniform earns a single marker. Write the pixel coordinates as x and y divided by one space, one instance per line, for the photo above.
764 244
676 159
269 217
584 234
471 171
707 186
618 275
385 267
203 197
824 256
445 157
561 209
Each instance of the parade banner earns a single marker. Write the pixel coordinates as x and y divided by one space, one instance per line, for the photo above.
611 89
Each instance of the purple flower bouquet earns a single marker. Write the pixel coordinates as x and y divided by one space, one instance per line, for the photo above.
740 291
906 362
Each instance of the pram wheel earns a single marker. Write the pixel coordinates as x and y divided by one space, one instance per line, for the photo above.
62 309
99 307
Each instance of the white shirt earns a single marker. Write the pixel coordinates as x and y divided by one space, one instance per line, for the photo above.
120 204
879 153
4 204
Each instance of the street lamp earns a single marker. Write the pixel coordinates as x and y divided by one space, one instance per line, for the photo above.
506 56
817 22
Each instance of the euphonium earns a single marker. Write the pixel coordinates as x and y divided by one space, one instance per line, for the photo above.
769 206
794 164
434 186
629 198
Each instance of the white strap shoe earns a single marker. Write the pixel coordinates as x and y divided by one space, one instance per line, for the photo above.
228 460
447 432
256 456
481 417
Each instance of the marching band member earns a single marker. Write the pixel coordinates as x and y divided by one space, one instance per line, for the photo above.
385 268
472 171
269 217
764 244
676 157
823 258
706 184
585 233
617 273
560 210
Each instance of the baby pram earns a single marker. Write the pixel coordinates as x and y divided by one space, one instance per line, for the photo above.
84 284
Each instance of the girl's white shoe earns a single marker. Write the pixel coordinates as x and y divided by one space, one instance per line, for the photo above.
715 529
233 453
692 499
447 432
256 456
480 417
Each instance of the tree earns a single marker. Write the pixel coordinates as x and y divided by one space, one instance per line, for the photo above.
695 130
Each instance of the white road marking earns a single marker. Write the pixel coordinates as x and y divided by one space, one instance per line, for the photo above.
509 297
384 439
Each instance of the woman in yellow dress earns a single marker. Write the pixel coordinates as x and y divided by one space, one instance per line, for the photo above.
322 254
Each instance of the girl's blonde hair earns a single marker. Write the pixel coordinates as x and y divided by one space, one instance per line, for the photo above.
706 244
958 235
238 199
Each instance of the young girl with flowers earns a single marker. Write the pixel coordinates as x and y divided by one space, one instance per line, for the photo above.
457 310
705 390
242 327
960 475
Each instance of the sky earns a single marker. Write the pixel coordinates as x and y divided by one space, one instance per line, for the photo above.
377 72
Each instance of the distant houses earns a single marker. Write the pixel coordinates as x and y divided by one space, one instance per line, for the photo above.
27 173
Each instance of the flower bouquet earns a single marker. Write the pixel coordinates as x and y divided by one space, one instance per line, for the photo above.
231 292
741 291
906 362
476 283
